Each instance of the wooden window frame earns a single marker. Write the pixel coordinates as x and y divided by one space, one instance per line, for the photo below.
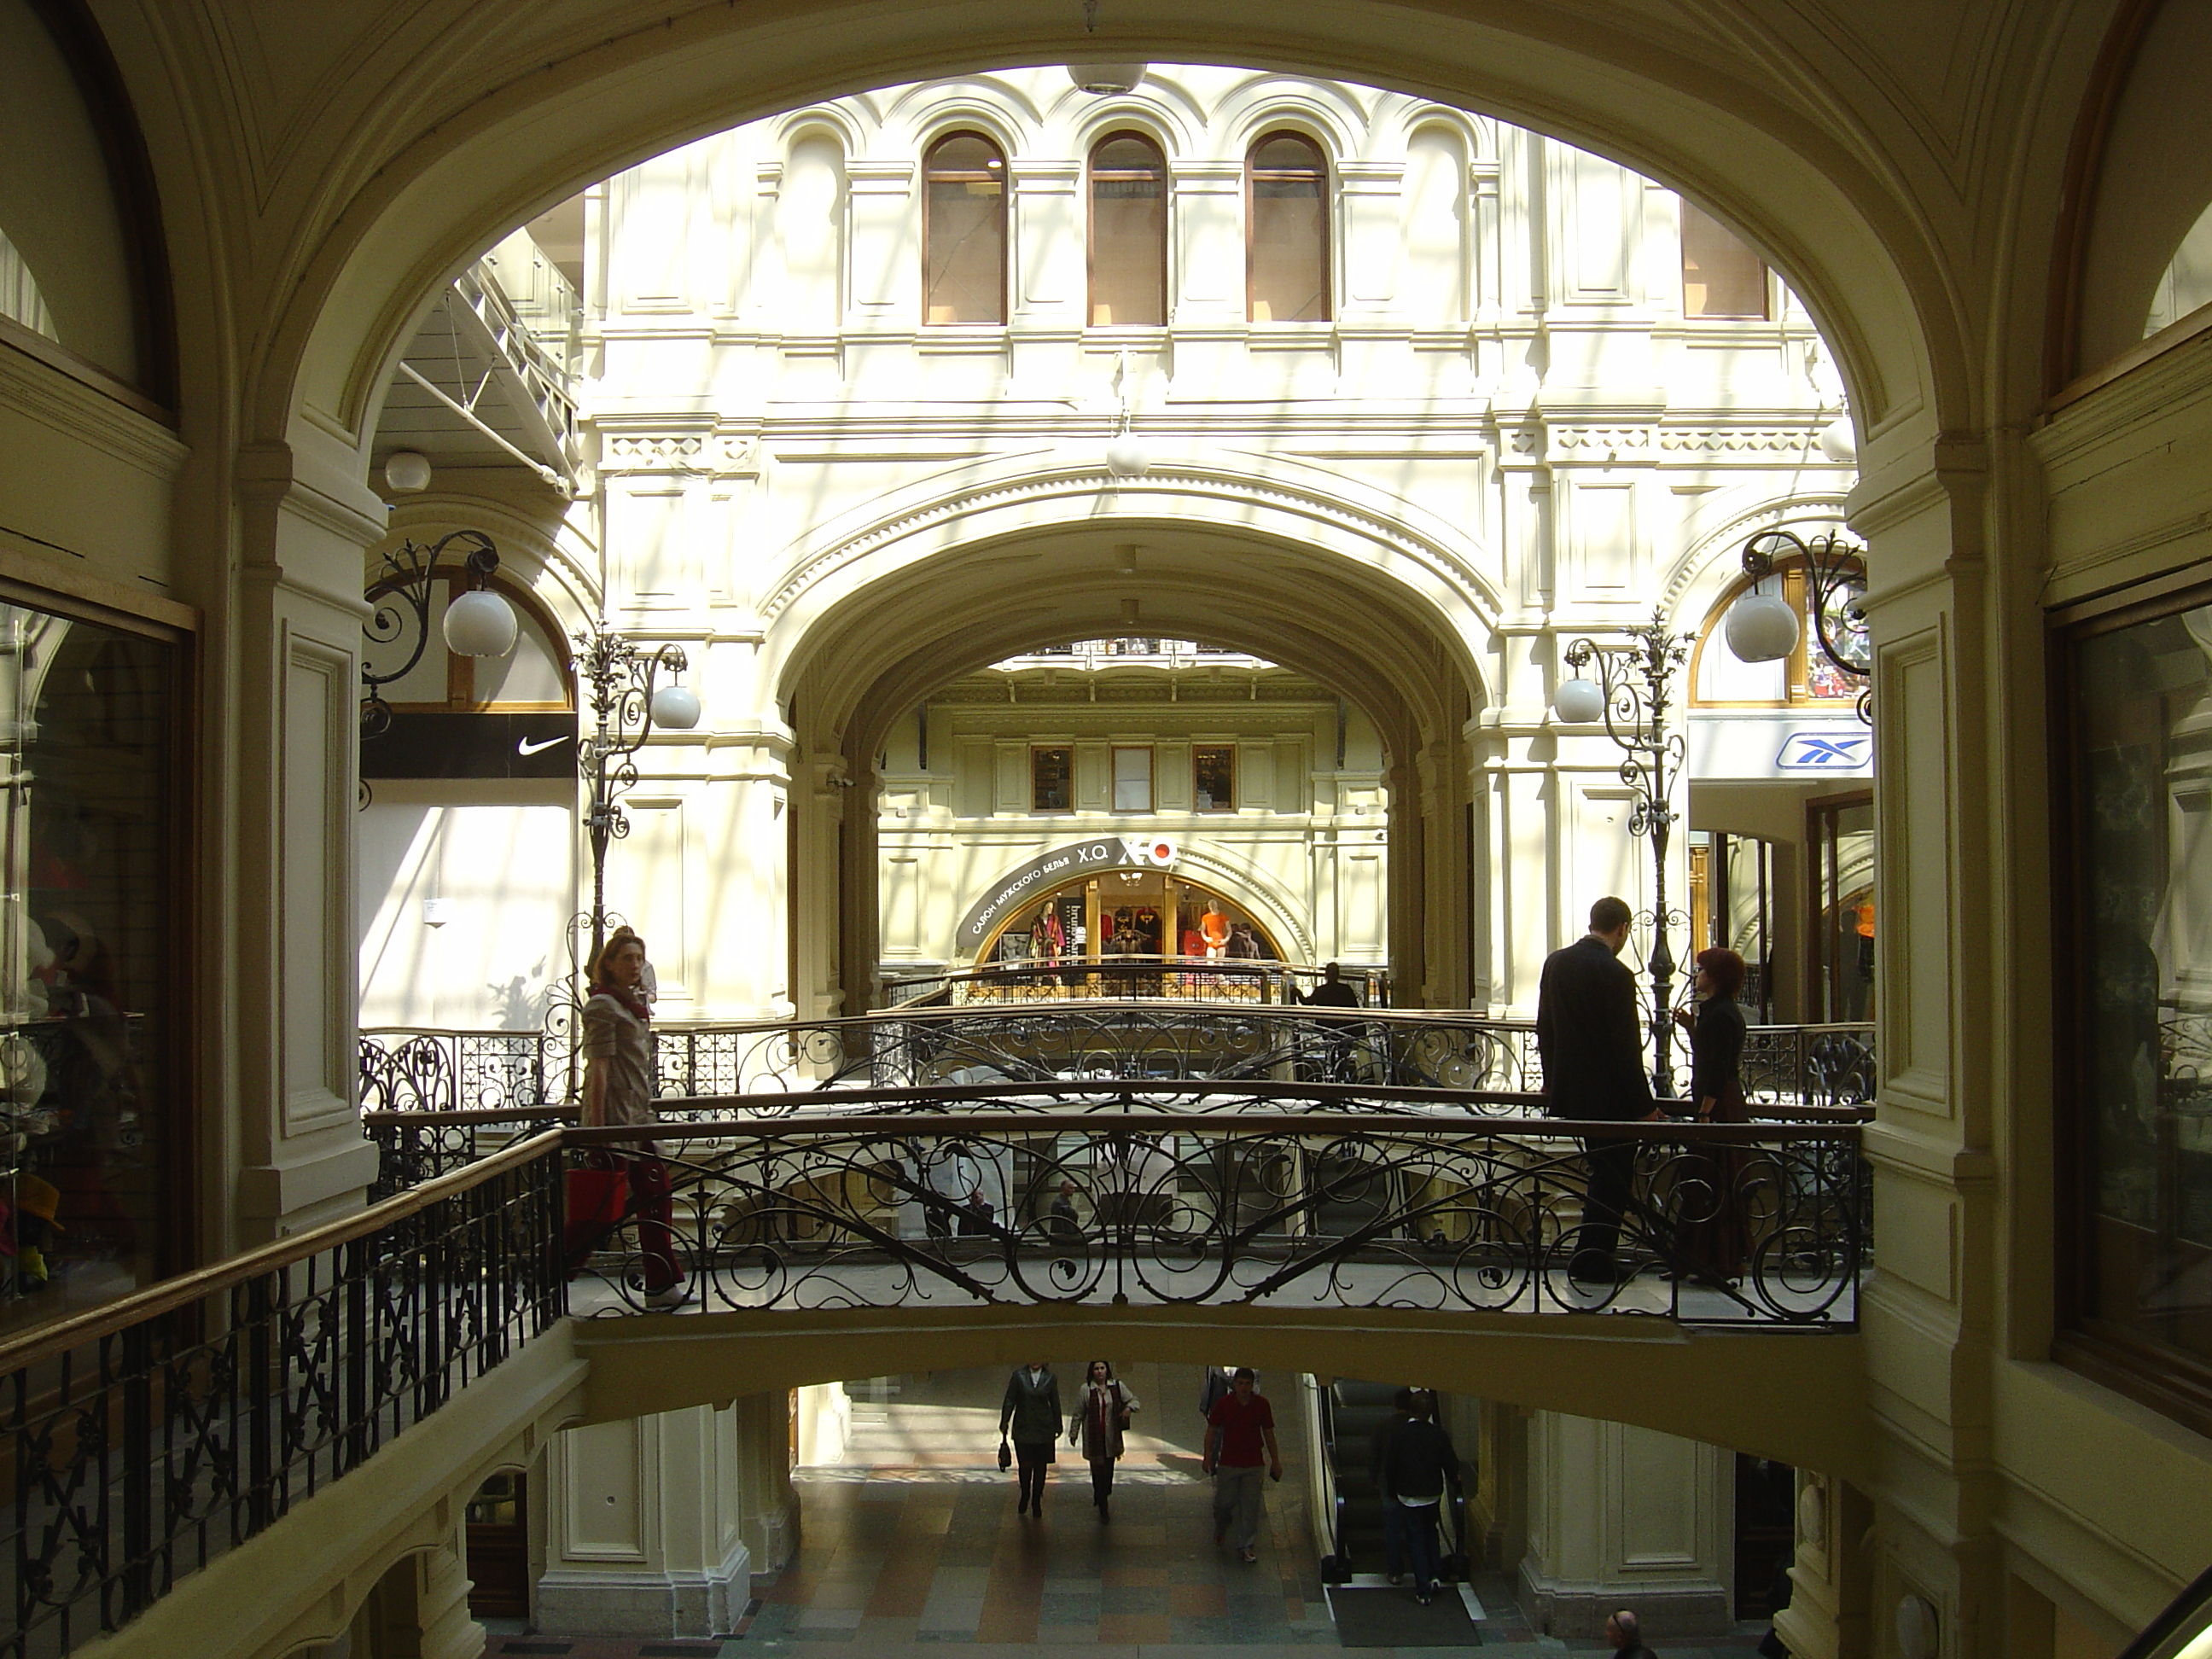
1066 749
1152 777
2177 1385
1091 224
1229 749
1719 319
1005 220
1328 221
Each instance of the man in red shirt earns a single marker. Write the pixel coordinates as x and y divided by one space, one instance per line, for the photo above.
1239 1429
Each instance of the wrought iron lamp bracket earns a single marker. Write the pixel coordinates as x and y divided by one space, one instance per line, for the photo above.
402 591
1831 563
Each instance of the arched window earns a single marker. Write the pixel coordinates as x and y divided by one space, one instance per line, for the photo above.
1128 232
963 231
1286 231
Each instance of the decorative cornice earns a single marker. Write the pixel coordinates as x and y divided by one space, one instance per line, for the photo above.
77 411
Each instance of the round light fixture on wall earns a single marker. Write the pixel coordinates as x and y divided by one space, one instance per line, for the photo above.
1840 441
406 472
1126 457
1579 702
1761 628
677 708
480 623
1104 80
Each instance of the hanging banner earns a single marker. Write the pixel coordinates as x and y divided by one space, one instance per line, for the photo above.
1049 870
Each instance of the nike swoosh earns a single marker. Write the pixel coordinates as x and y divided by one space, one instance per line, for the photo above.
524 746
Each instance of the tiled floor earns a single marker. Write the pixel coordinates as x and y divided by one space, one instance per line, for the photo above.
913 1546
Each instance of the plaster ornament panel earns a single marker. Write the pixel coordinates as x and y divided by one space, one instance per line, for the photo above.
1726 440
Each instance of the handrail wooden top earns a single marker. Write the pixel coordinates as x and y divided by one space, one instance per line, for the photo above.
1165 1123
49 1341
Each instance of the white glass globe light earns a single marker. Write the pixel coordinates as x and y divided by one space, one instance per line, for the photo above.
1579 702
407 472
480 623
1104 80
1840 442
677 708
1761 628
1126 457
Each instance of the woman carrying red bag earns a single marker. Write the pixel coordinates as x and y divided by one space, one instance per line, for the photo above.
618 1091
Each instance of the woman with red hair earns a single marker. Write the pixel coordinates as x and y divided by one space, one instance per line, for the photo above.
1713 1232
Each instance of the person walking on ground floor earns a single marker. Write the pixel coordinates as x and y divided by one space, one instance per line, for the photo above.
1240 1443
1413 1463
1591 1042
1623 1631
1101 1418
1030 1414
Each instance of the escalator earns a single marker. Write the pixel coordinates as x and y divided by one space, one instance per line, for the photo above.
1350 1412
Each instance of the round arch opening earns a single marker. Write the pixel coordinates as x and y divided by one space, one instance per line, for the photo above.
1144 913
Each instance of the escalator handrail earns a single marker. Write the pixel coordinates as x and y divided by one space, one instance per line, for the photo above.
1325 1402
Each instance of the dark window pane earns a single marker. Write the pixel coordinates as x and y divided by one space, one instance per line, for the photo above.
1128 233
2142 769
1214 777
964 232
1050 771
87 936
1289 251
1721 276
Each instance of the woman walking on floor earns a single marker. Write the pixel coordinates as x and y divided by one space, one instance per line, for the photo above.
1101 1418
1032 1414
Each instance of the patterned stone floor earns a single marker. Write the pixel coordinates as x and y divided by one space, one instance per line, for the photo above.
912 1547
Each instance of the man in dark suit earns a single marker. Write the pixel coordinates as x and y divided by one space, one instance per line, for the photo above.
1591 1042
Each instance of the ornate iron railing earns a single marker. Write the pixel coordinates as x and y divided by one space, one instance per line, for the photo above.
1122 978
150 1437
1234 1196
522 1072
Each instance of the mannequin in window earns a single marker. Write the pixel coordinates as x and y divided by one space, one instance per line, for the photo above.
1215 928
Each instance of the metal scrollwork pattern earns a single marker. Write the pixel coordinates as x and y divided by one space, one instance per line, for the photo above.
1727 1225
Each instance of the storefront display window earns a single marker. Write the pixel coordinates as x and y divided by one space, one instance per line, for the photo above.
91 1150
2139 761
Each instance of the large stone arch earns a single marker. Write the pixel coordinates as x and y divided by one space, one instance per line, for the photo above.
1396 612
496 144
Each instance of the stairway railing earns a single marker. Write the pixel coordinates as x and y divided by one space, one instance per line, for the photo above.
152 1435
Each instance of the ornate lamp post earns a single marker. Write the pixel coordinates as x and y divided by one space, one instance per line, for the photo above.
1763 627
478 623
619 682
1634 694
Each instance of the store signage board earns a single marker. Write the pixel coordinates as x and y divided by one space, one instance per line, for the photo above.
1781 745
1050 869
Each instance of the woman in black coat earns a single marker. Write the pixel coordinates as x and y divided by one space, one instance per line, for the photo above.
1713 1230
1031 1415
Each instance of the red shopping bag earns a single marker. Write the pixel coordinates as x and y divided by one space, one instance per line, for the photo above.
596 1193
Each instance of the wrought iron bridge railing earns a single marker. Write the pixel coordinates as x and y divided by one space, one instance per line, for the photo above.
1212 1192
523 1072
1173 979
148 1438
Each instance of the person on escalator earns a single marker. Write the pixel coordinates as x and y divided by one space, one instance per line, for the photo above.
1414 1465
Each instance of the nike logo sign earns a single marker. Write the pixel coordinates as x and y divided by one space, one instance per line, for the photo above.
524 746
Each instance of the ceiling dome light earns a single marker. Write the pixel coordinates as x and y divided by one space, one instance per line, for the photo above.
1104 80
1761 628
1840 441
1579 702
1126 457
480 623
406 472
677 708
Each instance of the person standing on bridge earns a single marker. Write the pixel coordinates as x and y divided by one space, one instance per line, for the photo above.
1591 1039
1101 1418
1239 1431
619 1088
1031 1415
